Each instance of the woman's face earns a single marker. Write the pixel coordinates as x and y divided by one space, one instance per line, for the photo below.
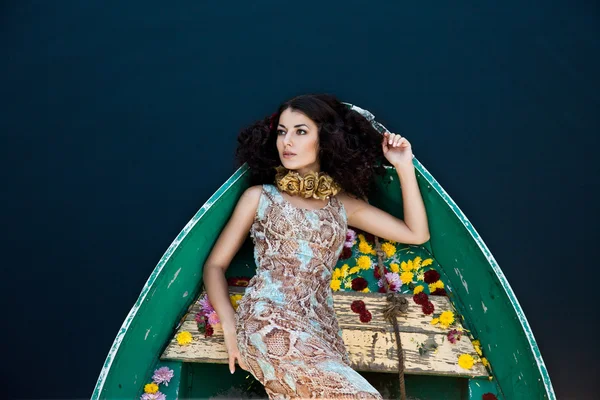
298 135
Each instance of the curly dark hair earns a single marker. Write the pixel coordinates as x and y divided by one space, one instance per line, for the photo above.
349 146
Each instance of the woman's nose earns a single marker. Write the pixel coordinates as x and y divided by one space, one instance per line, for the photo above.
287 140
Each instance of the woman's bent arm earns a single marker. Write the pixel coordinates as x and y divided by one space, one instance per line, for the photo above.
229 242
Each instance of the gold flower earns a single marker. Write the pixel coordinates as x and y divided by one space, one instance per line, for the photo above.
308 184
289 184
314 184
326 187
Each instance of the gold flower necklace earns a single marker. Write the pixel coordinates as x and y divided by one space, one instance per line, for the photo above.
317 185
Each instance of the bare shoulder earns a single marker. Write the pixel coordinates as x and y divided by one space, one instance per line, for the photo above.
251 196
351 203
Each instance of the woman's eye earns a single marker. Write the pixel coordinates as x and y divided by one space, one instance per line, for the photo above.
302 130
280 132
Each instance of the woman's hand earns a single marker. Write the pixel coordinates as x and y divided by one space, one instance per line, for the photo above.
397 150
234 352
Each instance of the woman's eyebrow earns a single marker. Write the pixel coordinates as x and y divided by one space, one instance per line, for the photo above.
295 126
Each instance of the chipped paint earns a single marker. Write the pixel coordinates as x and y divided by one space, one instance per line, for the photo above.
464 283
499 274
185 294
174 277
147 332
96 394
484 307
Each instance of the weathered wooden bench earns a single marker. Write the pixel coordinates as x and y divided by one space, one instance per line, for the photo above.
371 346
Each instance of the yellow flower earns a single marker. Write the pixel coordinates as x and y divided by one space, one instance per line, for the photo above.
420 276
348 284
406 266
446 318
183 338
345 268
465 361
417 263
365 290
364 262
365 248
418 289
406 277
485 362
478 350
435 285
354 270
234 298
476 343
394 267
337 274
335 284
435 321
389 249
151 388
427 262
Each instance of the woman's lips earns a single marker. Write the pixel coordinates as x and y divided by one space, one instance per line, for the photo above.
288 155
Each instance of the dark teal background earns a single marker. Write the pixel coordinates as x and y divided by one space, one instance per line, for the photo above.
119 119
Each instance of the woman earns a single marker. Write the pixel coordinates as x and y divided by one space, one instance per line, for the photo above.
312 161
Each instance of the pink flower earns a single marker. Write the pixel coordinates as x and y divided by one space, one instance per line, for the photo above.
162 375
205 306
213 318
153 396
350 238
393 280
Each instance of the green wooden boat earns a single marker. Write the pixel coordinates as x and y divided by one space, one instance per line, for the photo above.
476 285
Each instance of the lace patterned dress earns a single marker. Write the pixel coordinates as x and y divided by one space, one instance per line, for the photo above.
287 330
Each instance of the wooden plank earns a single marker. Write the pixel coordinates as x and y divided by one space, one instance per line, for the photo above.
372 346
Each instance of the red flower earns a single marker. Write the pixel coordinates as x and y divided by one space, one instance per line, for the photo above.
439 292
209 330
421 298
238 281
427 308
432 276
381 290
346 253
489 396
359 284
358 306
365 316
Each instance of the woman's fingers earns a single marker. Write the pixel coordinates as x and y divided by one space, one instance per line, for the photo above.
232 363
392 140
232 358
